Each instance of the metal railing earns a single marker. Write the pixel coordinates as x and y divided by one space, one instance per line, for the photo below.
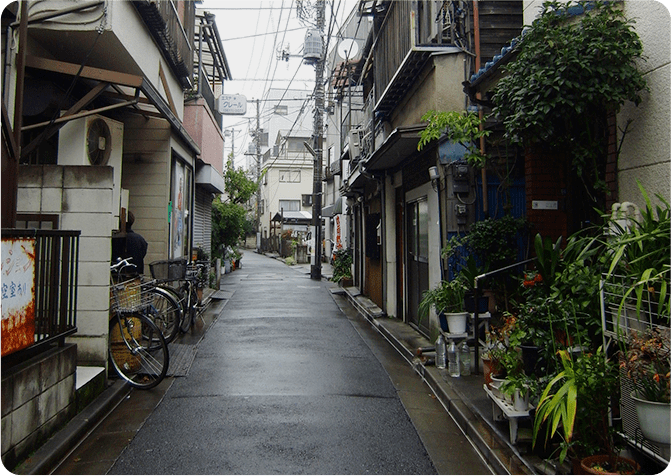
55 296
173 31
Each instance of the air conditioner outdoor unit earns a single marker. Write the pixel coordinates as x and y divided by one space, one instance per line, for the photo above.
94 141
354 144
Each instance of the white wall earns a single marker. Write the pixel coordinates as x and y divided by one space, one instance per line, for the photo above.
646 150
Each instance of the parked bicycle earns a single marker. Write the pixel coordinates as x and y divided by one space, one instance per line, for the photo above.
137 349
190 278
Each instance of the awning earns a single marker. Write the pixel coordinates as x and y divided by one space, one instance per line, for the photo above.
332 210
297 218
399 146
209 179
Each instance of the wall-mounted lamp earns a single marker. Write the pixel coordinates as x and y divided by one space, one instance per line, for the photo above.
433 173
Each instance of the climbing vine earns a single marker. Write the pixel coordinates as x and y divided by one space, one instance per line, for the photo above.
570 72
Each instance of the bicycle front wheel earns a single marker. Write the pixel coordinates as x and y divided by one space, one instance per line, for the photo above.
138 351
165 311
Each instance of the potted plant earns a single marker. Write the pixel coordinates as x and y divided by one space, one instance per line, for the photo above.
342 267
490 244
639 251
447 299
497 338
646 360
577 401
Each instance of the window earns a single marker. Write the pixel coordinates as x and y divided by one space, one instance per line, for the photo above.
281 110
290 205
290 176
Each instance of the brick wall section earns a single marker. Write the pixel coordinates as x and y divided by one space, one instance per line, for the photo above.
545 174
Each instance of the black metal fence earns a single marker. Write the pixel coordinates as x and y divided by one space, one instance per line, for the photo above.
56 269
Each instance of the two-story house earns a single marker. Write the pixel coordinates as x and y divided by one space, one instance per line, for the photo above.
103 114
286 189
415 59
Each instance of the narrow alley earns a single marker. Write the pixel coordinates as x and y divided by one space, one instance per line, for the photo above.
283 381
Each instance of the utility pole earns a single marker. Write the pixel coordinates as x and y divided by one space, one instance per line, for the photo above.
257 142
318 139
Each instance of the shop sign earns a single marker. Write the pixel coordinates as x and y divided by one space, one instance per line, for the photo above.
17 271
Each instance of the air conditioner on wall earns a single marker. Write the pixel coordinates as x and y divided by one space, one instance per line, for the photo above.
354 144
93 141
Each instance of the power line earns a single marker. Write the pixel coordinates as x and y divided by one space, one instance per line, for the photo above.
260 34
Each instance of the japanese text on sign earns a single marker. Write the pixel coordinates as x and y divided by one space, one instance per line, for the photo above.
234 104
17 271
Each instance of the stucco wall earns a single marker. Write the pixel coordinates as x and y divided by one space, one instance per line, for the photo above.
82 197
438 87
202 127
146 175
646 150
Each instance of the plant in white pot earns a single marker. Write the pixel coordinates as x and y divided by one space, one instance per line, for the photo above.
647 362
447 299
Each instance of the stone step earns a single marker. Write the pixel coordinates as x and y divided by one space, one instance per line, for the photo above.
89 383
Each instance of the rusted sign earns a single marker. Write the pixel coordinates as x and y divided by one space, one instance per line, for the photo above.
17 272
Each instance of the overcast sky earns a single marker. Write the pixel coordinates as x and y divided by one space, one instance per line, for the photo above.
253 34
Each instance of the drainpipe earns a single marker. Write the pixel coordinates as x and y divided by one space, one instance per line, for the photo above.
478 62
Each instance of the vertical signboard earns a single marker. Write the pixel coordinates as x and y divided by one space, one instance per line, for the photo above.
17 272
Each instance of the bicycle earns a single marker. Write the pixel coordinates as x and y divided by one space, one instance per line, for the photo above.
193 281
137 349
162 307
190 277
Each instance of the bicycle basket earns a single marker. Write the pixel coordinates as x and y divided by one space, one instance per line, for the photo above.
127 296
168 270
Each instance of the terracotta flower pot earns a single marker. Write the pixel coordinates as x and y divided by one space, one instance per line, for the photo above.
597 464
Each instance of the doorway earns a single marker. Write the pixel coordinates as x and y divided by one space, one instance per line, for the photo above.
417 258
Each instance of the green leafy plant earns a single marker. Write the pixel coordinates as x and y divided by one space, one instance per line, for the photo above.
460 128
576 403
641 252
342 265
229 217
448 296
493 242
566 77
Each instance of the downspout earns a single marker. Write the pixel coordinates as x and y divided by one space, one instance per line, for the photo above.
478 61
440 231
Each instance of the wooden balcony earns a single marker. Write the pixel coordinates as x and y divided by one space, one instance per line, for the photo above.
406 40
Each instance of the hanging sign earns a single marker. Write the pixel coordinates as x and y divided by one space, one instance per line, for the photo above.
17 271
232 104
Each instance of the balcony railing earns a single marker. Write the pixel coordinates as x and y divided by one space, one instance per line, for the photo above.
55 297
409 35
173 34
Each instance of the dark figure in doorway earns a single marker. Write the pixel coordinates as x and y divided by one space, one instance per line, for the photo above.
136 245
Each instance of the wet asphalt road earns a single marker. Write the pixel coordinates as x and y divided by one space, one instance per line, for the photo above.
281 383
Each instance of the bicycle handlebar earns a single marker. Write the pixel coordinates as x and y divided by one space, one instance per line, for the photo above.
121 264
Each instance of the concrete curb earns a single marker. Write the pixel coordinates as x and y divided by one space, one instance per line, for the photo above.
60 444
503 457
